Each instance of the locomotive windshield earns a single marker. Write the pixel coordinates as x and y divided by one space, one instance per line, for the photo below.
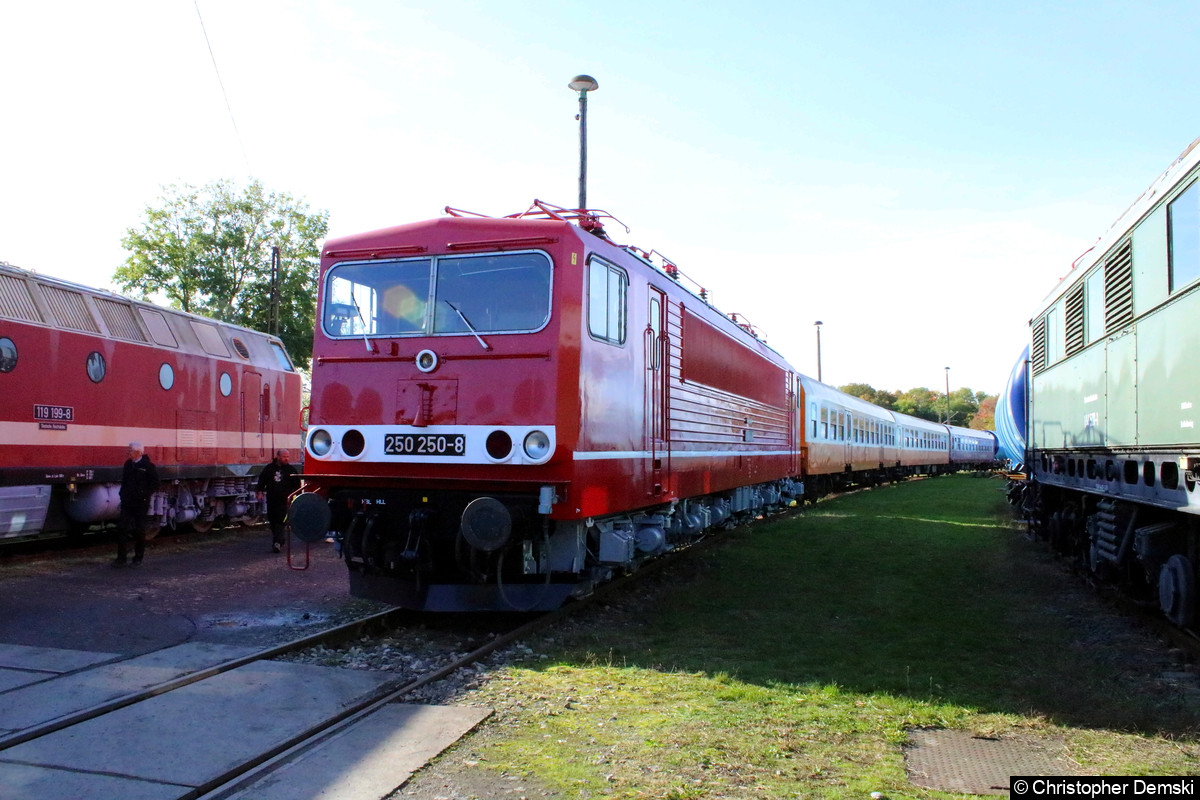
497 293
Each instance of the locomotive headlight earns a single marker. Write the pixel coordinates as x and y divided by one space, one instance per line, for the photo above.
353 443
320 443
427 361
537 445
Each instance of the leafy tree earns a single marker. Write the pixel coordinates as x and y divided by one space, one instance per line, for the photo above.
985 418
922 403
879 397
967 409
208 251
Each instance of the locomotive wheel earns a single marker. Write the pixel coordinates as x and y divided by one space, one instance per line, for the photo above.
250 522
1177 591
201 526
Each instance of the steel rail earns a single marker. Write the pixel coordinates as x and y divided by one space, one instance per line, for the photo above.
355 627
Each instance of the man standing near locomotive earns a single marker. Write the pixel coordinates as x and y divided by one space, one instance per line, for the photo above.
139 482
277 481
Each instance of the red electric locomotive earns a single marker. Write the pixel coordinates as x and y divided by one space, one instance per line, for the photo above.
504 411
84 372
507 410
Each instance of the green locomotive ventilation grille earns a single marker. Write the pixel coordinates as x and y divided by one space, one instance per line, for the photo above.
1075 317
1037 361
119 319
15 300
69 309
1118 288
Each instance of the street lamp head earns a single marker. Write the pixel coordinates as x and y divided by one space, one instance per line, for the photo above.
583 83
818 322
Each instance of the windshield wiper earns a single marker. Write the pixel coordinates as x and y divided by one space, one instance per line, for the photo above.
470 327
358 311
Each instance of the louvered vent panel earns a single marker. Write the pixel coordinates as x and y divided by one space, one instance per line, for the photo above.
1038 357
1118 289
69 309
1075 317
15 300
119 319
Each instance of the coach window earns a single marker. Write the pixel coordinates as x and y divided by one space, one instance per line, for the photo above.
8 355
1183 225
226 384
607 287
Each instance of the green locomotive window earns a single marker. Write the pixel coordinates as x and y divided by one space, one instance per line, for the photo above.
1183 223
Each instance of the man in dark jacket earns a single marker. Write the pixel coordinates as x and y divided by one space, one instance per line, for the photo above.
277 481
139 482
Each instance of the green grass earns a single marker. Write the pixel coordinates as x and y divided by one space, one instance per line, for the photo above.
791 659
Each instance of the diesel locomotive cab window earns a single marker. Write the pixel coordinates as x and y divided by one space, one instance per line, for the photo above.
465 295
1183 215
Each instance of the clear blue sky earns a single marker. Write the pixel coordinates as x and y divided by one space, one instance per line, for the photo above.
915 175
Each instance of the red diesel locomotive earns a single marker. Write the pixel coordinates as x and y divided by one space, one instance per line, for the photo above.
507 410
83 372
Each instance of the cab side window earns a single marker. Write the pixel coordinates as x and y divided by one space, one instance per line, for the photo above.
608 286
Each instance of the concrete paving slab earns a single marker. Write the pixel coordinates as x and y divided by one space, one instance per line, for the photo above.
194 734
23 782
12 678
371 759
49 659
225 587
35 704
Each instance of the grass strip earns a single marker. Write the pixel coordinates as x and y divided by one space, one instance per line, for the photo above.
791 661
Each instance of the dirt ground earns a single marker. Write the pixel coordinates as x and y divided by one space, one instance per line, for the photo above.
226 586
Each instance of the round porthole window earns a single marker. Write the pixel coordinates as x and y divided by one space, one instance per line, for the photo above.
96 368
8 355
226 384
166 376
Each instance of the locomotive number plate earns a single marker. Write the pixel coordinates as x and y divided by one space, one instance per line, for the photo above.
424 444
53 413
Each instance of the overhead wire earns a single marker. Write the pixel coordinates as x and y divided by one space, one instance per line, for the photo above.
237 133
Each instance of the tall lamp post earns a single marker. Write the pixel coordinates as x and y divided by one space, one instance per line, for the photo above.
583 84
817 325
947 395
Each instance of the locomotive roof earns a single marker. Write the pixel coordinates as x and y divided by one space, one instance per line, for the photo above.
22 274
1180 168
436 235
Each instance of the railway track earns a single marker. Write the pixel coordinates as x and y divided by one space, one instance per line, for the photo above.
84 729
21 747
